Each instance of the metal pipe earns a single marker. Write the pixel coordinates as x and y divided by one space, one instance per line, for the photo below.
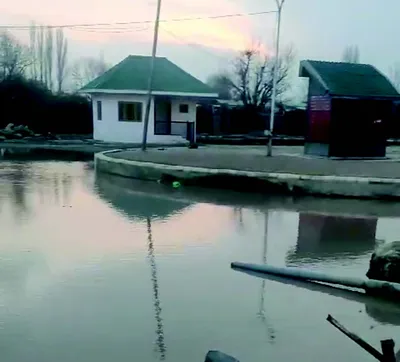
369 285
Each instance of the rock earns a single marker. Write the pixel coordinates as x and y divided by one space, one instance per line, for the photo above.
12 132
217 356
51 136
385 263
7 134
23 130
9 127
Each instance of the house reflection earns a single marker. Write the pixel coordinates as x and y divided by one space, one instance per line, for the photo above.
122 195
322 236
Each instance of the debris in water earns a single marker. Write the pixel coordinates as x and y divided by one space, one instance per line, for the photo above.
176 184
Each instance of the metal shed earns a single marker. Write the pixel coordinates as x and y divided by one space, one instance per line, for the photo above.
349 108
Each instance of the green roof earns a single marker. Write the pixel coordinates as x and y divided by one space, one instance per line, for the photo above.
348 79
132 75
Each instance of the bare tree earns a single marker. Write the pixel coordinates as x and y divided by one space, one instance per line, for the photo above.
33 50
86 69
14 57
40 54
49 58
61 58
252 77
221 84
394 75
351 54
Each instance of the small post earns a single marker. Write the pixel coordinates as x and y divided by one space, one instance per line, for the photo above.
151 75
366 346
387 346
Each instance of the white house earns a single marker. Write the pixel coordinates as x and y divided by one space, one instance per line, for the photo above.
119 102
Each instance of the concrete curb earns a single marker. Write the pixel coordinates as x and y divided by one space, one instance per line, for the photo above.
358 187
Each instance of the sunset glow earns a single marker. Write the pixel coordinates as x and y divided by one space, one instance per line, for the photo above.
232 33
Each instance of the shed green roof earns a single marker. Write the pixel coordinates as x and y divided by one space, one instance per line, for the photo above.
348 79
132 75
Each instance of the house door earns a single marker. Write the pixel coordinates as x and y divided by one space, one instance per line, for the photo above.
162 117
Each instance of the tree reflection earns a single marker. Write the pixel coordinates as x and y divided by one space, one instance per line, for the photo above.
160 343
66 182
237 213
49 187
18 178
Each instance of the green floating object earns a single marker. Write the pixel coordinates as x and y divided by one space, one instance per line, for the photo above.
176 184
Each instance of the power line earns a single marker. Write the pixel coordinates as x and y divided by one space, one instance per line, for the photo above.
193 45
111 30
84 25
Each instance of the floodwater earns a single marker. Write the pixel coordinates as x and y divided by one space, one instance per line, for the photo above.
100 268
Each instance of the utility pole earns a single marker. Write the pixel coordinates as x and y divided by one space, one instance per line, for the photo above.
279 4
151 74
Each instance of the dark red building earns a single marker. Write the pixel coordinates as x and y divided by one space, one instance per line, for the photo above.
349 109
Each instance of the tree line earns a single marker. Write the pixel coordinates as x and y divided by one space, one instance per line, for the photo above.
38 83
45 60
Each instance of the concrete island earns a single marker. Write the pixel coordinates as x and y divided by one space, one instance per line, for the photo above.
289 171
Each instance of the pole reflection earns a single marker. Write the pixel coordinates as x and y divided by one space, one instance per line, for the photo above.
160 342
261 312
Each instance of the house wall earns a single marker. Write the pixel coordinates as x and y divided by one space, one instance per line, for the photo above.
318 123
176 116
110 129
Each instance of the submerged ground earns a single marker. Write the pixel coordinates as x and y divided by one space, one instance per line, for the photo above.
100 268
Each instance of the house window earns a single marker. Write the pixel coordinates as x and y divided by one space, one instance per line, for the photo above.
183 108
130 111
99 111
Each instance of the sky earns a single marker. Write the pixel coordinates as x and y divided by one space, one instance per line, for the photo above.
316 29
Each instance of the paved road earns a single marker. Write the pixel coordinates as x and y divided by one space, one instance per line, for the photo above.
286 159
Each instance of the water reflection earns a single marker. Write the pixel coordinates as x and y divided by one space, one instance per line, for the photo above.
381 310
262 312
237 216
322 236
123 196
138 271
160 342
18 190
23 184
